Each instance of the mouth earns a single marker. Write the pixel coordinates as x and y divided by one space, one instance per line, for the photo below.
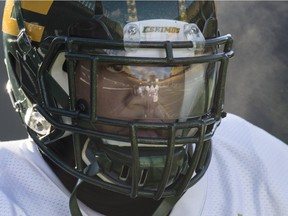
148 132
152 133
141 131
144 133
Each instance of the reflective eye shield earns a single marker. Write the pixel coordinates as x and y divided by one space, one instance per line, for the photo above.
145 92
61 103
76 50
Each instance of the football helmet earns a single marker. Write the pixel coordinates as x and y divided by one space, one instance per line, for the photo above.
137 85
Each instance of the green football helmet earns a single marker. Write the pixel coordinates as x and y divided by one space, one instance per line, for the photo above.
137 86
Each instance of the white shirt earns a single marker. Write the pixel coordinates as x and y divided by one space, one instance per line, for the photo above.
248 176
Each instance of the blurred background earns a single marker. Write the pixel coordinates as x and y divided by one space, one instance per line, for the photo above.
257 84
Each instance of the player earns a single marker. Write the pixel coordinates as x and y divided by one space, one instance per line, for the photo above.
121 101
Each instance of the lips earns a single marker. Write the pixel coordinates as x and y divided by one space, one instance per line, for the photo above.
150 133
140 132
144 133
153 133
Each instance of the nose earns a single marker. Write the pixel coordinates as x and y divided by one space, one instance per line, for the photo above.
144 101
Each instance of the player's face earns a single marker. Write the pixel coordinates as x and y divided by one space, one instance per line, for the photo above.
139 93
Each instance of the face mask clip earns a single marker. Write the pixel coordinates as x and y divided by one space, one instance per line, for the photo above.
131 37
193 33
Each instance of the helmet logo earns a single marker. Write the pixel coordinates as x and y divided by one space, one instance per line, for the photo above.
161 29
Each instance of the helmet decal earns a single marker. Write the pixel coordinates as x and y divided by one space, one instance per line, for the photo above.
40 7
35 31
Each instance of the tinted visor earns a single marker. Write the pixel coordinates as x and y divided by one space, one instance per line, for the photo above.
145 92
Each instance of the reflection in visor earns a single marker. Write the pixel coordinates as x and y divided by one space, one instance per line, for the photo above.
148 93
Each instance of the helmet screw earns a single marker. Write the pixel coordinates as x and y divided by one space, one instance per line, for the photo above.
194 30
132 30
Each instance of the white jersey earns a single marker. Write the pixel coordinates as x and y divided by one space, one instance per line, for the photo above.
247 176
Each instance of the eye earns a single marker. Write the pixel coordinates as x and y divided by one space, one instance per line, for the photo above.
115 68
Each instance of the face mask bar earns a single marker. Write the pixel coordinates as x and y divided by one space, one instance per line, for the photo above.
80 123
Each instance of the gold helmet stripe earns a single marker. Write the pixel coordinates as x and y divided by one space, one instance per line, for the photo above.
9 24
182 10
41 7
132 11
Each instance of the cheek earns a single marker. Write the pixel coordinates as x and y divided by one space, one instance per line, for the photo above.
107 101
82 82
82 90
110 102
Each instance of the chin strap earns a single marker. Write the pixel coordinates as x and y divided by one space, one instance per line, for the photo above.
166 206
73 205
90 170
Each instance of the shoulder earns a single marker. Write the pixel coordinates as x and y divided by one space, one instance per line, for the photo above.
11 151
27 184
19 153
22 159
248 169
238 143
19 161
234 129
12 145
247 174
